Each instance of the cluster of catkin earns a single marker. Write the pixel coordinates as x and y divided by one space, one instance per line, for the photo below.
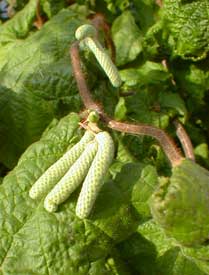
88 162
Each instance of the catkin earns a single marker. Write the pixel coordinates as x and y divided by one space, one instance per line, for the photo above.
104 60
71 179
95 177
54 173
84 31
87 34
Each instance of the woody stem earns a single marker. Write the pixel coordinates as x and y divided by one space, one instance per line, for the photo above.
166 142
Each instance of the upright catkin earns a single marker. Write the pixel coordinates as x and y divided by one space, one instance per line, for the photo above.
71 179
54 173
95 177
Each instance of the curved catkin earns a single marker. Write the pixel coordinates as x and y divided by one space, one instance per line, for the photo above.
104 60
71 179
54 173
95 177
84 31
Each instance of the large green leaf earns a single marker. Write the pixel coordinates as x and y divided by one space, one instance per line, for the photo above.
34 241
36 78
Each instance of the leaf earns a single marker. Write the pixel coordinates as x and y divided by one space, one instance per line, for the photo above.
200 255
187 27
152 102
120 109
20 25
123 190
17 4
180 204
34 241
169 260
149 251
194 81
148 73
126 49
52 7
145 13
36 79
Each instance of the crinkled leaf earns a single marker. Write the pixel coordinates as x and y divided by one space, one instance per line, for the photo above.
36 79
151 252
127 186
35 241
199 255
187 27
180 204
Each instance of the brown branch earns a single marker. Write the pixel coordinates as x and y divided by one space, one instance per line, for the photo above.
80 80
166 142
39 20
185 140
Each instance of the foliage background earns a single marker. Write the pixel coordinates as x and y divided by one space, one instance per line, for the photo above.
37 89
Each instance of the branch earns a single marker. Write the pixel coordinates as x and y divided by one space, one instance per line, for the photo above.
185 140
166 142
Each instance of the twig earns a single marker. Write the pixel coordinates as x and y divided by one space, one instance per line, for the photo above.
166 142
185 140
80 80
39 20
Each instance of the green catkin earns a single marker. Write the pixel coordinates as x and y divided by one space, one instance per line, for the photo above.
71 179
104 60
95 177
87 34
55 172
84 31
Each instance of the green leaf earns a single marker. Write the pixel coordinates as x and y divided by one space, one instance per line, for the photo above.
151 252
194 81
127 187
200 255
17 4
33 240
126 49
187 26
19 26
147 74
140 254
52 7
145 13
36 79
180 205
120 109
